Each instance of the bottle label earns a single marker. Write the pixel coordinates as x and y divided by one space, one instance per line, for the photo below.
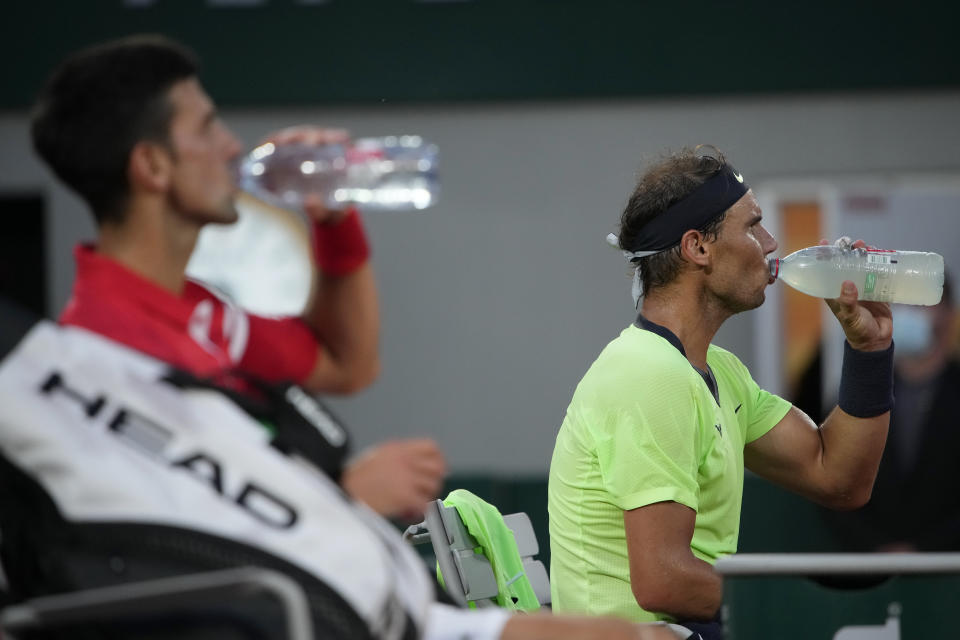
879 280
357 155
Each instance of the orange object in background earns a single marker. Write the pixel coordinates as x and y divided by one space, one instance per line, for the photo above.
802 326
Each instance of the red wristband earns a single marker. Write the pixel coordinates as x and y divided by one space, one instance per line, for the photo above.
340 248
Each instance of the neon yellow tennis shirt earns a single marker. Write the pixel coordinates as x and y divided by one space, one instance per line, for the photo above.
644 426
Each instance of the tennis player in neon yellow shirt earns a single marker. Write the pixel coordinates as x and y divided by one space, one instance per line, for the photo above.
647 472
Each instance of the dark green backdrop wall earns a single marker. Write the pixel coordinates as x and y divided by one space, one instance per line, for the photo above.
281 52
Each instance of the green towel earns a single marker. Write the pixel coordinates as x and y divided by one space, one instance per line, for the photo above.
497 544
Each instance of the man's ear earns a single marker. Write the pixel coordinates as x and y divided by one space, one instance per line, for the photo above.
694 248
149 168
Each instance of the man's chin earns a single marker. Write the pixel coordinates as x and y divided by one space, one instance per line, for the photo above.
743 305
760 298
227 215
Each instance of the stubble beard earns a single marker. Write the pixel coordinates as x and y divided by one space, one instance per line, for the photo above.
225 213
735 304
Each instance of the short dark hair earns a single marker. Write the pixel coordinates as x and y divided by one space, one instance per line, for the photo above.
671 179
99 103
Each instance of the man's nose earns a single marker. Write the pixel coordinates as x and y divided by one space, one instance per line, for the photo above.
234 146
772 243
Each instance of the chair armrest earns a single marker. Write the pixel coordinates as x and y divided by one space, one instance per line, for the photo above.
163 595
416 534
771 564
441 540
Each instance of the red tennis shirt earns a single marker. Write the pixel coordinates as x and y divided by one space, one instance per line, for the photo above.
199 331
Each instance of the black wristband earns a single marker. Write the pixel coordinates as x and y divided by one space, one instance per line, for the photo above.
866 381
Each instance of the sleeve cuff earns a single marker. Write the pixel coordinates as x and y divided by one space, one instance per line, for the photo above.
776 415
651 496
450 623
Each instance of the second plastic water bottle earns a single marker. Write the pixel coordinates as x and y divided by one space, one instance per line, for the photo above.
906 277
393 173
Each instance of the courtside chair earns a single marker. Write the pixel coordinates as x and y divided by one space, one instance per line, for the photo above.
470 553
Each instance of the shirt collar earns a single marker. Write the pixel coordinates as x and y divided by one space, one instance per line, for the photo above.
661 331
106 277
672 338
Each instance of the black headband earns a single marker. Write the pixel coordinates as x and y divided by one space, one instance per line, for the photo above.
709 200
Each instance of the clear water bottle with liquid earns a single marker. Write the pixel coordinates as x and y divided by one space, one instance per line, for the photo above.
884 275
393 173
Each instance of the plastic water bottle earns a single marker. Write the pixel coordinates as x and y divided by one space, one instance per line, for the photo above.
884 275
393 173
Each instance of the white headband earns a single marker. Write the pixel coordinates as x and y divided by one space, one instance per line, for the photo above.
636 288
614 242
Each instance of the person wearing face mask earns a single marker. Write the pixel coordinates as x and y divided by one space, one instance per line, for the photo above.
646 477
913 507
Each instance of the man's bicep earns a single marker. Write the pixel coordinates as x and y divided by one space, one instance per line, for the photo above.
789 454
665 576
659 526
658 537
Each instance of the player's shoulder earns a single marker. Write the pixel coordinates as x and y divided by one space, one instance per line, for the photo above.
642 359
720 357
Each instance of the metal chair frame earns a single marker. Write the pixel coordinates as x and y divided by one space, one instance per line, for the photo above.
467 575
131 601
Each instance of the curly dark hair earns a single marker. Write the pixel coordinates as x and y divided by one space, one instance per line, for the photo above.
99 103
663 184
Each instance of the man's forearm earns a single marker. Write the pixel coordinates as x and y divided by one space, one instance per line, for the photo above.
855 433
687 589
852 448
344 312
548 627
450 623
346 317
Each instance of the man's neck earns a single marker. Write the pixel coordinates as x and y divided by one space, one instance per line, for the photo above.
689 315
156 247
